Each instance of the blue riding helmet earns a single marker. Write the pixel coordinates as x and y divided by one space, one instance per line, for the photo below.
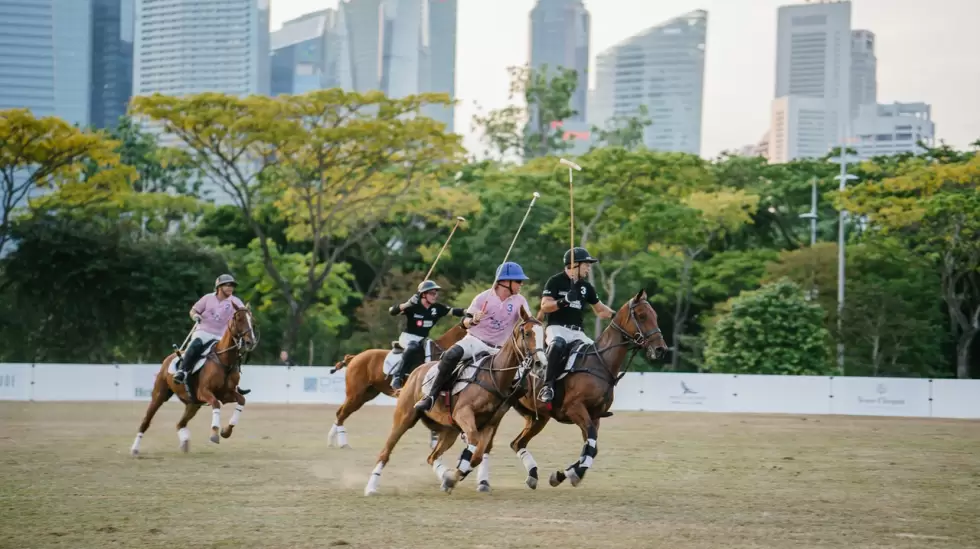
510 271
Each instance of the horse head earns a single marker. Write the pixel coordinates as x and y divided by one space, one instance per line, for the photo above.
242 328
531 338
637 321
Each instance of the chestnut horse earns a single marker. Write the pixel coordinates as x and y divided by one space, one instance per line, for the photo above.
475 411
586 392
215 383
366 380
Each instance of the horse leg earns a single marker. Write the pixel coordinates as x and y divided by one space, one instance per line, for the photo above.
207 396
532 427
467 423
352 403
444 441
404 419
590 432
236 415
161 394
183 433
483 471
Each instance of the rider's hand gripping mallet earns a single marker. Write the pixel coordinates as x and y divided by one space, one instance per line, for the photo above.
512 242
459 220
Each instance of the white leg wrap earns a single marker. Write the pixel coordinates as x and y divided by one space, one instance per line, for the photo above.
216 418
586 461
375 481
136 443
438 468
184 434
483 471
236 415
464 464
341 437
527 459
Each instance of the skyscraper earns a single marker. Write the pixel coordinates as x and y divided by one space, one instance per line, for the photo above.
560 32
864 71
813 62
442 58
663 69
299 54
112 60
193 46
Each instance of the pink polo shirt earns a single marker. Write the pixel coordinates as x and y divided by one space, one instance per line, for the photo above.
215 313
500 317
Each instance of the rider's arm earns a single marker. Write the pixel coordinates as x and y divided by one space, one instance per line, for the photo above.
396 310
602 310
549 303
458 311
197 309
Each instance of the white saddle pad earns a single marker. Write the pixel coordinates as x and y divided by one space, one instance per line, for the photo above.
172 369
572 357
464 378
392 358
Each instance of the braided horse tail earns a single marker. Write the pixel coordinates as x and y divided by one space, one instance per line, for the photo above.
342 364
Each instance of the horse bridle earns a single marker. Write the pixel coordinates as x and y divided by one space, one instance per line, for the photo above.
239 338
641 339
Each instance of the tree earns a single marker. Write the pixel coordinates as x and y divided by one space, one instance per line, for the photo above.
336 164
46 153
935 208
770 331
623 131
891 320
535 129
688 228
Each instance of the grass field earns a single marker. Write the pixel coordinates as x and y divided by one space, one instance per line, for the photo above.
679 481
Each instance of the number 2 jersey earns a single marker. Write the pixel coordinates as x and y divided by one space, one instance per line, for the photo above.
419 319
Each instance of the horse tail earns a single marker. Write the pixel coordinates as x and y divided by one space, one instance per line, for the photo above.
342 364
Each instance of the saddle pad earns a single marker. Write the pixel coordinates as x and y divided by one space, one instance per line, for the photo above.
393 358
172 369
463 378
578 351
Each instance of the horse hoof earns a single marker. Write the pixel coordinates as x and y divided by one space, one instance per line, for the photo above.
370 492
532 482
134 451
553 480
185 446
226 433
214 438
484 486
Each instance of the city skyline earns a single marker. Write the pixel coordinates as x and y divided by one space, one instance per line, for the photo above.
920 58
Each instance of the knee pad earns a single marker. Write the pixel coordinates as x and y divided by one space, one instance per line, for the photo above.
558 346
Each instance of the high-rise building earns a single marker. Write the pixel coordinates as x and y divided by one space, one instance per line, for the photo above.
299 61
112 60
194 46
46 55
813 62
799 128
400 47
864 71
560 31
663 69
882 130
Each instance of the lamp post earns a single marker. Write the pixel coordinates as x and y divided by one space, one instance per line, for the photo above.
843 159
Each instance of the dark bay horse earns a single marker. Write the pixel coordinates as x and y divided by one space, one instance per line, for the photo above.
586 393
475 411
215 383
366 380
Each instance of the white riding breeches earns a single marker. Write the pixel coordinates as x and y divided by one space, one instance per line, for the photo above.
205 337
405 338
568 334
473 346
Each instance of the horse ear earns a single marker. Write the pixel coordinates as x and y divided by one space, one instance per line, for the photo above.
525 316
640 296
235 305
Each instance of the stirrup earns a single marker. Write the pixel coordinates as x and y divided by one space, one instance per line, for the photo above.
546 394
396 382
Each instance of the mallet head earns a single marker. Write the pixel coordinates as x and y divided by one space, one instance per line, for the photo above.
570 164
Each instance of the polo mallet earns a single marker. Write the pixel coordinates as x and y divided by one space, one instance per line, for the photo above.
180 350
514 241
571 208
459 220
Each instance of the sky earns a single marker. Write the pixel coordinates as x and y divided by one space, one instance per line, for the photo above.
927 50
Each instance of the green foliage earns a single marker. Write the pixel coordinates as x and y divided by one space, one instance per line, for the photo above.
623 131
772 330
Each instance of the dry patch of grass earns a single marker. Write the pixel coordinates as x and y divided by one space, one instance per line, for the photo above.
681 481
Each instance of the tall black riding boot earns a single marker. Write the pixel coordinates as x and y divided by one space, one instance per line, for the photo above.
556 359
446 365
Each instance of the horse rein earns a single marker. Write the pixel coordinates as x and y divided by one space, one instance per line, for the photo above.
239 339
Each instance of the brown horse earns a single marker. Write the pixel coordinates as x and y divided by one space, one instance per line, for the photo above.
366 380
215 383
476 412
584 399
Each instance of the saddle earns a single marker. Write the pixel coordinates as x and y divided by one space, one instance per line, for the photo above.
463 374
396 347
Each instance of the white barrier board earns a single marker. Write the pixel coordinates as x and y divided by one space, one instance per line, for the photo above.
676 392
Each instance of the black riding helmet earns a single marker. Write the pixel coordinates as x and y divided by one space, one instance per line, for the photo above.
581 256
428 286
